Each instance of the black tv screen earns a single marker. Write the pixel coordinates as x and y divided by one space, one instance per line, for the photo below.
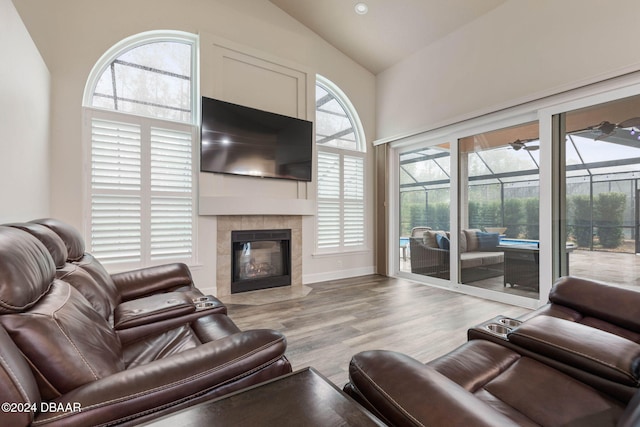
245 141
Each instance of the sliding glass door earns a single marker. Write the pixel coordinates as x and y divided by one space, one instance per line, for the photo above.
499 188
424 211
502 205
601 162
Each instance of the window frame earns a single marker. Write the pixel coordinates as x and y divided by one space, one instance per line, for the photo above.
359 153
149 123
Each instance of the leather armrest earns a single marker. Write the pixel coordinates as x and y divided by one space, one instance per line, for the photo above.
145 281
407 392
598 352
166 382
613 304
153 308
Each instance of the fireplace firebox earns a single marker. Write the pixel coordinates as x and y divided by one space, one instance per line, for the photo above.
260 259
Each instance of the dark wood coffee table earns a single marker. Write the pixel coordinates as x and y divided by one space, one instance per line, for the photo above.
302 398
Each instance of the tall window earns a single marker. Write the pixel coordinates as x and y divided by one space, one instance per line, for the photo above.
341 167
139 104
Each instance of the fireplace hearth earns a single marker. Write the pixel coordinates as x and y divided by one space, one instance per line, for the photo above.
260 259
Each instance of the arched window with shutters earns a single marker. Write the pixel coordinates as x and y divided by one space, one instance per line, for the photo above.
340 145
140 133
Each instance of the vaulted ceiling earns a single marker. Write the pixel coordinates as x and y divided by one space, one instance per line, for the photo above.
390 31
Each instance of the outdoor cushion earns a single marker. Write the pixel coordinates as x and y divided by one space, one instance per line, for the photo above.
443 242
487 241
472 239
429 238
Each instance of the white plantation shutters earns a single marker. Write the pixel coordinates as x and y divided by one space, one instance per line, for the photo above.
353 200
340 201
341 166
171 194
329 206
142 188
115 191
140 106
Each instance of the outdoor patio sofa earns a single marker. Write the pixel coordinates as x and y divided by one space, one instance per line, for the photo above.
479 258
573 362
150 344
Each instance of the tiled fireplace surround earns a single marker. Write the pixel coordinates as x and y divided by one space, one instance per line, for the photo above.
229 223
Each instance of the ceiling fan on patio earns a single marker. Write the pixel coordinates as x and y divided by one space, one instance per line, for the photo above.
520 144
606 128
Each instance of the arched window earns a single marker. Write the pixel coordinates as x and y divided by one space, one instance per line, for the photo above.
341 168
139 105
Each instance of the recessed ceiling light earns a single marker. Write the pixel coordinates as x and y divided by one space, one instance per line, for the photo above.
361 8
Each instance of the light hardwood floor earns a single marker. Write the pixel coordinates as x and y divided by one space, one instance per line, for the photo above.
331 321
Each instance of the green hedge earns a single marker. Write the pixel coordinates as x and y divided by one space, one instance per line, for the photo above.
581 229
608 209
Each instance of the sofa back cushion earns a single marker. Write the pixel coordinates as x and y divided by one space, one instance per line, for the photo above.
48 238
430 239
26 270
487 241
419 231
590 298
70 236
96 294
66 342
472 239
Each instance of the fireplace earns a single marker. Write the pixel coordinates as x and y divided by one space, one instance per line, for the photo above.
260 259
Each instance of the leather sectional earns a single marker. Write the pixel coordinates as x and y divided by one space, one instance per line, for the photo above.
79 346
573 362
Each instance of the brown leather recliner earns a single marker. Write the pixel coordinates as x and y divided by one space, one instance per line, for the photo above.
127 285
609 308
589 330
138 316
62 363
573 362
480 384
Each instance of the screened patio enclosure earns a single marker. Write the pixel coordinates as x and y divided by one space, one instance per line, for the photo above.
602 174
503 183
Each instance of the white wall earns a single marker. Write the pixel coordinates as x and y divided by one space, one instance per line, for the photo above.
521 50
24 122
73 34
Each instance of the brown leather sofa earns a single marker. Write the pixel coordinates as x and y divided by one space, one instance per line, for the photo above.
63 363
575 361
588 329
609 308
148 300
480 384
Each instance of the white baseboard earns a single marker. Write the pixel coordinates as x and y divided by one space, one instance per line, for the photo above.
337 274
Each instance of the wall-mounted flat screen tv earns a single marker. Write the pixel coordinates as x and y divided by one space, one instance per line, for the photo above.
245 141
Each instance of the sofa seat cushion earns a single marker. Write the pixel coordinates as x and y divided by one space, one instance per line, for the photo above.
160 346
510 383
471 259
55 336
492 258
479 259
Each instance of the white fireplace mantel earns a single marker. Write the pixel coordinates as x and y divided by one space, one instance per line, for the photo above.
226 205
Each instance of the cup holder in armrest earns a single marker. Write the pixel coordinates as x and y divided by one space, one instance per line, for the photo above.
204 305
511 323
498 329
